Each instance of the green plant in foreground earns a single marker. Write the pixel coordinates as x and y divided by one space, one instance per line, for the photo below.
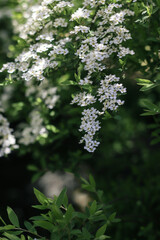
59 219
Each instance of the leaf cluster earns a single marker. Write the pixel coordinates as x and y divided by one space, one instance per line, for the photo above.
59 220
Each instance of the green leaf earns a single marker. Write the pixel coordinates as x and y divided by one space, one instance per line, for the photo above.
23 237
148 87
15 232
65 201
60 198
11 236
40 207
1 219
32 168
148 104
52 128
84 180
86 234
79 215
44 224
69 213
121 62
88 188
13 217
93 207
112 216
80 68
107 115
47 217
28 225
100 194
149 113
92 181
69 82
147 84
36 176
57 214
76 77
97 218
87 87
102 237
40 196
98 212
101 230
143 81
37 218
6 228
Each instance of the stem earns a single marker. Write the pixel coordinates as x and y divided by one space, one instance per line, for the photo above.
3 221
26 231
63 208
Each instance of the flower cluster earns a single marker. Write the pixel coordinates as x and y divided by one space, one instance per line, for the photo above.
57 33
90 125
45 91
108 93
80 13
7 139
104 37
34 129
83 99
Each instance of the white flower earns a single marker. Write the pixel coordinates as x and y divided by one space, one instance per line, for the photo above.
90 126
60 22
46 36
108 92
61 5
43 47
85 81
83 99
10 67
34 129
82 29
7 139
80 13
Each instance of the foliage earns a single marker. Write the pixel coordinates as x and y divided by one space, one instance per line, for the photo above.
131 166
59 220
151 68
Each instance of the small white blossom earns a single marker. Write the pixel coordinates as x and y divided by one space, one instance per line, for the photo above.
108 92
85 81
60 22
46 36
80 13
61 5
7 139
10 67
83 99
43 47
33 130
125 51
90 125
82 29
